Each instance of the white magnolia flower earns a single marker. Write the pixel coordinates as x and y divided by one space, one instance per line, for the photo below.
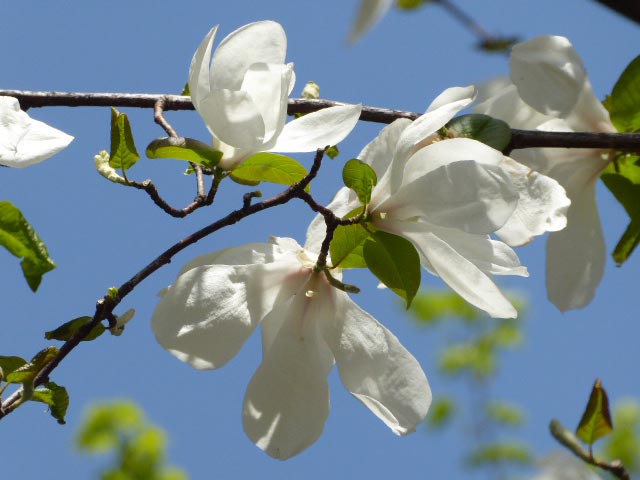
218 300
370 13
242 93
448 196
549 90
25 141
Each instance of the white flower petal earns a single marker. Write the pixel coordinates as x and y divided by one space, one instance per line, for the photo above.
576 255
268 87
371 11
454 96
234 118
199 82
465 195
287 401
548 73
259 42
376 368
463 276
325 127
205 317
542 205
588 114
25 141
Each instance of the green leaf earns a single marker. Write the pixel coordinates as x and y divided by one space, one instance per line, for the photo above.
500 453
28 371
431 307
104 425
395 262
346 246
476 358
624 443
485 129
441 412
182 148
596 419
185 91
622 178
499 44
624 103
409 4
270 167
67 330
123 149
10 364
56 397
17 236
359 177
505 413
332 152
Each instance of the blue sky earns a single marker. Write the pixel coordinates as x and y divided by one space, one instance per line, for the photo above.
100 234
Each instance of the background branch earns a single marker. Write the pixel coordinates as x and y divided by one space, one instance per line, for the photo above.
520 138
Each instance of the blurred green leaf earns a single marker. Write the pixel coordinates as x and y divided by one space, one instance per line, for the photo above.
270 167
500 453
19 237
498 44
359 177
507 333
624 442
103 424
441 412
431 307
476 358
123 152
596 419
56 397
395 262
505 413
67 330
622 178
27 372
346 246
181 148
624 102
409 4
485 129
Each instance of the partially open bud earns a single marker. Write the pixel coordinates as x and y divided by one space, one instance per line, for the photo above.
107 171
311 90
121 321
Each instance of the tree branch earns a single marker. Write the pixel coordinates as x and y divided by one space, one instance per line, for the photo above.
520 138
627 8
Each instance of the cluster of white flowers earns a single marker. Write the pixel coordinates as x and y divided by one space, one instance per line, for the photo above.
447 197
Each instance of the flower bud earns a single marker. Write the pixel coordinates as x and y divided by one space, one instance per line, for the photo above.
107 171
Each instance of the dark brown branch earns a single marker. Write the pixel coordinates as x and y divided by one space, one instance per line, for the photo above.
521 138
627 8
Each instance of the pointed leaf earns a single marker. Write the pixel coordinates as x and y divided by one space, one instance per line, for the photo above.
123 149
485 129
346 246
10 364
395 262
624 102
56 397
182 148
28 371
596 419
67 330
270 167
622 178
359 177
17 236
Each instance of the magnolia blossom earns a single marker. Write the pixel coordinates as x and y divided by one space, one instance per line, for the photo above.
218 300
448 196
242 93
549 90
24 141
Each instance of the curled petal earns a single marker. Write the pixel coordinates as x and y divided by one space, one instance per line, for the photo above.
206 330
376 368
199 81
259 42
576 255
454 97
542 205
371 11
325 127
25 141
287 401
548 73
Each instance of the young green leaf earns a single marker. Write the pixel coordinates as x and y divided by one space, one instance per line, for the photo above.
332 152
10 364
17 236
624 102
270 167
69 329
346 246
622 178
28 371
123 148
182 148
441 412
56 397
359 177
485 129
395 262
596 419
